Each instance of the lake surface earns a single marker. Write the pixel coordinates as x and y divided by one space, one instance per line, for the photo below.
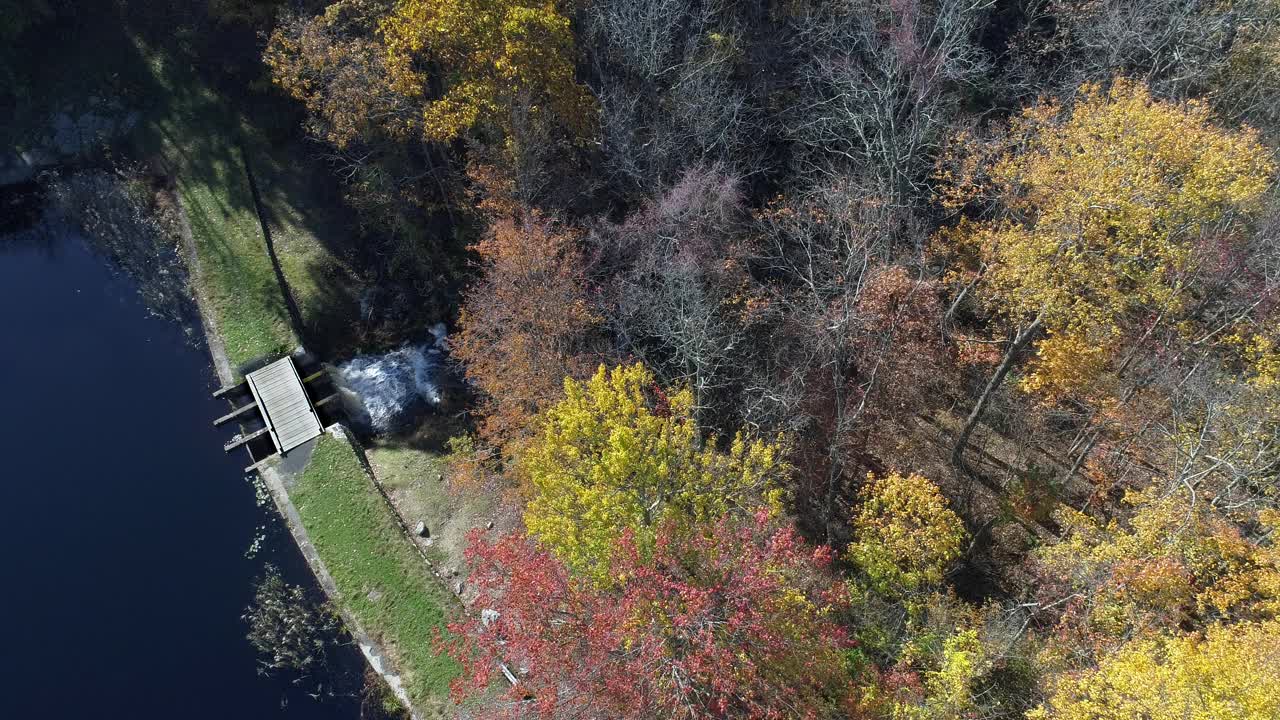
124 526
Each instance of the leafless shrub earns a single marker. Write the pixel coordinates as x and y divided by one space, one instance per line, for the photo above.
670 92
676 293
852 338
880 86
1181 48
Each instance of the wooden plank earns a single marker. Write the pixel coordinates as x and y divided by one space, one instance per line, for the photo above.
293 441
270 376
285 405
223 391
284 415
258 465
275 373
292 429
275 386
281 418
294 419
235 414
267 419
239 440
313 426
299 432
313 376
301 416
272 383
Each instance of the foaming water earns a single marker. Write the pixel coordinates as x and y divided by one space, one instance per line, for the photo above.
386 391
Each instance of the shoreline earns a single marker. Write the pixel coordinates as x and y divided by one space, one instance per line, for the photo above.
377 659
276 480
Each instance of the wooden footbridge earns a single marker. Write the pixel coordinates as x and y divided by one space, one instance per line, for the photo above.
276 404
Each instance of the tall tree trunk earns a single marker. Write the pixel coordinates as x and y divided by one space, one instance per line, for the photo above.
835 467
1006 364
955 304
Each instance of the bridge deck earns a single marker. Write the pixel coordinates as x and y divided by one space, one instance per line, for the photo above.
285 406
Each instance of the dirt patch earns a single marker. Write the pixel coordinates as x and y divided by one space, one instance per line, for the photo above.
416 482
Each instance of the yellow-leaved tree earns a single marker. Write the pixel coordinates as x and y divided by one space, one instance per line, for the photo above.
1175 563
618 454
492 58
904 539
1100 206
1232 673
905 535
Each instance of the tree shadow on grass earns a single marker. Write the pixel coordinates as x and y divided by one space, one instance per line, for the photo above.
359 289
372 291
198 104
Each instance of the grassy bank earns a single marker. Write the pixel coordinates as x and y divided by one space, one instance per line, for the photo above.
204 143
236 277
381 579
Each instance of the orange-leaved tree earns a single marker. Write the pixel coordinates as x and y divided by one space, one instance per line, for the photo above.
526 324
337 66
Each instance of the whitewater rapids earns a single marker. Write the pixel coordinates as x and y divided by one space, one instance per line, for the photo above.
393 388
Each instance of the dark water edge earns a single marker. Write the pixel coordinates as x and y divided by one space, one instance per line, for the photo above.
125 525
20 206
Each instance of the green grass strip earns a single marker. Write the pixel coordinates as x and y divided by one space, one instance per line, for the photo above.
381 579
237 277
199 135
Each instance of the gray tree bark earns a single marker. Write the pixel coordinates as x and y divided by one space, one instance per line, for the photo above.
1006 364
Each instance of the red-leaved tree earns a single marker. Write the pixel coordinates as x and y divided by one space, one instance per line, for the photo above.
734 620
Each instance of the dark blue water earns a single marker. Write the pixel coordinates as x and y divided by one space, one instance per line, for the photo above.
123 526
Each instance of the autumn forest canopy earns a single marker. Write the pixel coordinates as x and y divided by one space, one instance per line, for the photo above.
901 359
